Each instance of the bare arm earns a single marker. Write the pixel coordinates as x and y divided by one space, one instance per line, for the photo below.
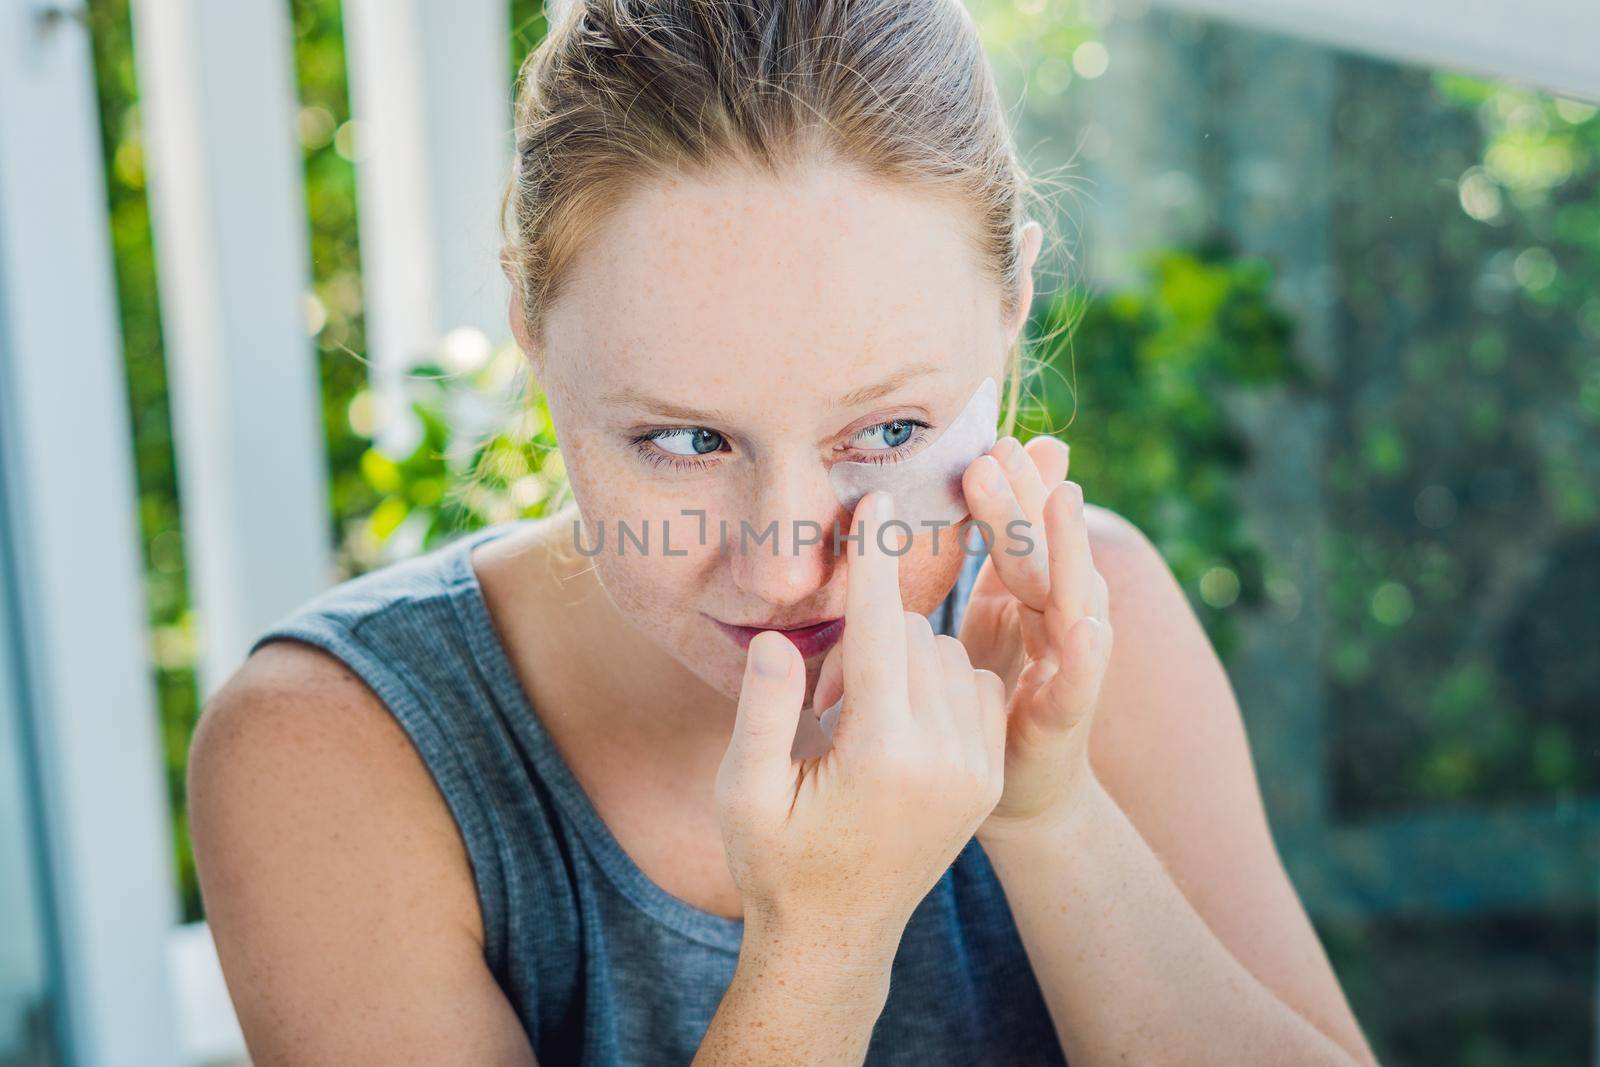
1129 970
800 997
1159 917
335 882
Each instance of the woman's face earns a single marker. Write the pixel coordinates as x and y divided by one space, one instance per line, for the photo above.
719 347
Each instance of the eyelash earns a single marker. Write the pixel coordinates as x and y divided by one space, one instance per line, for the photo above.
642 445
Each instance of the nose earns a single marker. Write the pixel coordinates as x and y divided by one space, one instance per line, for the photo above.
783 554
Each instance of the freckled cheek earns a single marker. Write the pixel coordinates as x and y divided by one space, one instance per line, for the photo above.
928 571
660 596
613 484
608 483
648 590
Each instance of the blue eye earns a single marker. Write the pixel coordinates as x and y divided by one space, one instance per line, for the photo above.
699 441
688 443
894 434
897 436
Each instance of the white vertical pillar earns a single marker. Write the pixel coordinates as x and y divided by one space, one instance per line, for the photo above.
70 544
228 211
430 98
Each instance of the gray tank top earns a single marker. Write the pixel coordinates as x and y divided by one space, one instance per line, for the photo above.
602 965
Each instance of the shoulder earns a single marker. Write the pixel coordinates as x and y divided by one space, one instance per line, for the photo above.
294 753
1122 552
293 696
328 861
296 730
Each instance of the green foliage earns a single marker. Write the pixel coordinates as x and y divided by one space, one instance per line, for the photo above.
1461 559
459 478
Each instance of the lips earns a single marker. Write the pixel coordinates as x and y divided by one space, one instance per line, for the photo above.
810 640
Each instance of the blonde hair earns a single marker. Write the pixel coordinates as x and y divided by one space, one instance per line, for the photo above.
623 91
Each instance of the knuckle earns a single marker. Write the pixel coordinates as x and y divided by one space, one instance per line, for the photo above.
951 758
913 778
973 782
899 758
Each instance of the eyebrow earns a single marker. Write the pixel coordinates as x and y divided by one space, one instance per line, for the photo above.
866 394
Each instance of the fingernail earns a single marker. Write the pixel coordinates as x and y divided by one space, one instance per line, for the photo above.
991 477
771 658
885 507
1013 455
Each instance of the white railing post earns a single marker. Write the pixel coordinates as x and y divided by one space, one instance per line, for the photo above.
70 545
429 95
228 211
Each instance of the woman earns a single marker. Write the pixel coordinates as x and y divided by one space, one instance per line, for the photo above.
523 801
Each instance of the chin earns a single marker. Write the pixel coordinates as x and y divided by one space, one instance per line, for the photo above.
724 670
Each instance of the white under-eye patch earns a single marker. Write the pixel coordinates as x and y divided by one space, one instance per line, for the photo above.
926 490
927 487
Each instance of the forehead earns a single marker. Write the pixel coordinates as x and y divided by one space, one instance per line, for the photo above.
816 273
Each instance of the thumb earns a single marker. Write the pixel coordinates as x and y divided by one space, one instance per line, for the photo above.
769 709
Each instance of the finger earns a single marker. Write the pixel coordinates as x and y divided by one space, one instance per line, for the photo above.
1096 601
1099 592
961 690
1027 485
1051 456
1072 690
874 639
1071 567
926 692
992 715
1017 547
768 714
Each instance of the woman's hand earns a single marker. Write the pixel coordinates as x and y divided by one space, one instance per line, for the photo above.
838 851
1038 617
